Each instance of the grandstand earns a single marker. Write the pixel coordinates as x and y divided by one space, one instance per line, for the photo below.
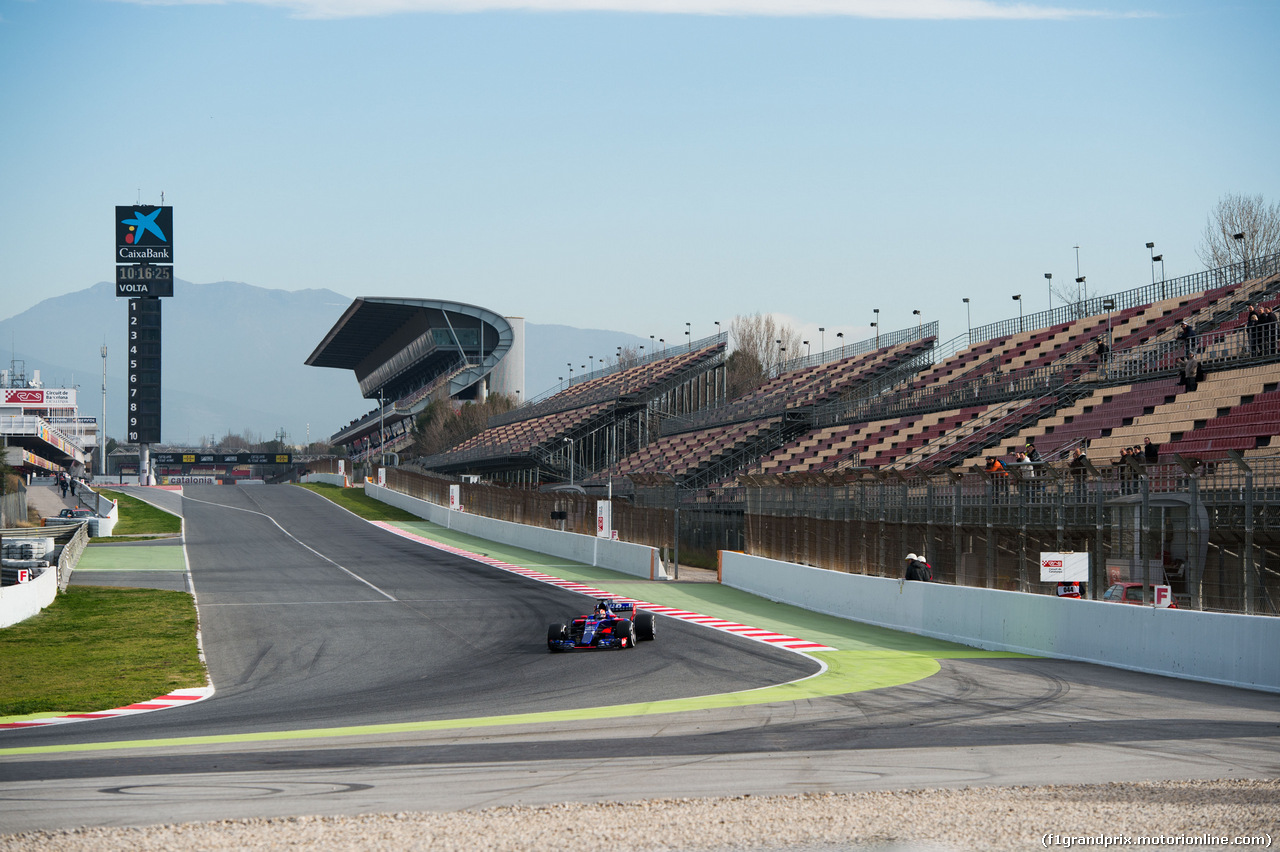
405 353
859 453
906 402
592 420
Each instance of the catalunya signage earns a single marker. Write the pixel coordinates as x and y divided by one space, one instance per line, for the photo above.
40 397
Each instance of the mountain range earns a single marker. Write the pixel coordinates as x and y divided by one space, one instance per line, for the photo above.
232 357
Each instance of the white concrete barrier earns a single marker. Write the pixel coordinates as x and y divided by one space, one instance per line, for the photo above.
20 602
1237 650
327 478
638 560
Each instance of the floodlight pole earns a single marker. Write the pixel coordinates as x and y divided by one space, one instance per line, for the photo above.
102 434
382 427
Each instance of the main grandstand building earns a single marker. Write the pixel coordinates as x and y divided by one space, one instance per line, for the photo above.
407 352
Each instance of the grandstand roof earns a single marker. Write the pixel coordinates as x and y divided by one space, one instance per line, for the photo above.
371 320
387 341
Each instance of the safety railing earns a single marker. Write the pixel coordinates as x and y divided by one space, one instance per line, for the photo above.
1101 305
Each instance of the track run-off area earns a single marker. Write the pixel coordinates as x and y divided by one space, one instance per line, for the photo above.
365 668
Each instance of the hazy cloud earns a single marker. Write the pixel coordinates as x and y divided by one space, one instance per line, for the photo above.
885 9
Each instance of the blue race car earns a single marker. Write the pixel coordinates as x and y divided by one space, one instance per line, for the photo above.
608 626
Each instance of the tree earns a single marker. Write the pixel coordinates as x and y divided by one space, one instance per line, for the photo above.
764 338
744 373
760 344
1235 214
629 356
440 427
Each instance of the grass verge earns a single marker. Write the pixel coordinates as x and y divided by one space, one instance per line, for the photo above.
359 503
139 518
95 648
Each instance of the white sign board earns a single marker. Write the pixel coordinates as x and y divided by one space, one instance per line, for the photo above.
1162 596
455 497
382 477
342 467
1064 567
40 397
604 519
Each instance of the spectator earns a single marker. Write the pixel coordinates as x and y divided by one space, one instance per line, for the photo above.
1150 451
1267 322
918 569
1078 469
1190 373
1033 455
1103 352
1187 335
1027 469
995 468
1124 474
1253 332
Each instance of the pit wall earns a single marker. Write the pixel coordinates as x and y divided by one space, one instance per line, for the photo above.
637 560
1225 648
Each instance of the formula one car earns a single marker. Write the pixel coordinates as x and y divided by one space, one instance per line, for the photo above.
613 624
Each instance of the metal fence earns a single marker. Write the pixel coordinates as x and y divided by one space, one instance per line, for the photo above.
1211 532
922 331
568 511
13 506
1145 295
538 406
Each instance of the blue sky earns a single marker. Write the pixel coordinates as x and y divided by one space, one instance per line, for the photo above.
608 164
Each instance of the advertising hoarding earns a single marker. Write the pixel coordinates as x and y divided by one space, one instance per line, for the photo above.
604 519
41 397
144 234
1064 567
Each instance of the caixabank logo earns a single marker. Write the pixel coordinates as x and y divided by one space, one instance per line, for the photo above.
144 235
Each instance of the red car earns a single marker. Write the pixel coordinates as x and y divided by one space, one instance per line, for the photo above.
1130 593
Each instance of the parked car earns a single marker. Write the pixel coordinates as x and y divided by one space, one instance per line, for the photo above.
1130 593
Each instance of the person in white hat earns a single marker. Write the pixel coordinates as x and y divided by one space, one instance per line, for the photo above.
918 569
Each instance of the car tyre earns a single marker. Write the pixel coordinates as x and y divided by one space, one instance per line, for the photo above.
628 630
556 633
646 629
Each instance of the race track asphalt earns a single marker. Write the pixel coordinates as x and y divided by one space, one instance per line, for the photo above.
312 617
315 619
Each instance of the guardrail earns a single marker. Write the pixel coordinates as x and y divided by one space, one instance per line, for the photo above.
922 331
72 538
668 352
38 427
1198 282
